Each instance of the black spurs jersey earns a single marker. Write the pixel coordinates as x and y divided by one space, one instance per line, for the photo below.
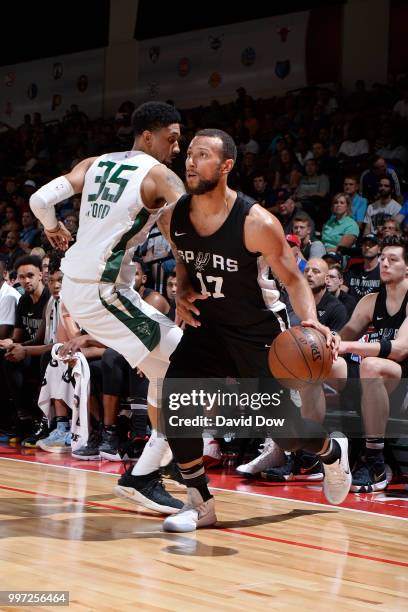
386 326
241 292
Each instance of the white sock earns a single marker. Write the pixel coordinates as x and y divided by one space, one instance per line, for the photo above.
152 455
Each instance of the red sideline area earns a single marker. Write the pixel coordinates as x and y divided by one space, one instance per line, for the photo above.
228 480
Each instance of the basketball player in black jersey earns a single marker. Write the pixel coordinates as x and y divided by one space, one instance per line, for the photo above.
384 357
224 245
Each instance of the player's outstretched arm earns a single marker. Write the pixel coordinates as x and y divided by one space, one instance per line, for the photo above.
44 200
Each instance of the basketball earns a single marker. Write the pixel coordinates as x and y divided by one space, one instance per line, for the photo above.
299 356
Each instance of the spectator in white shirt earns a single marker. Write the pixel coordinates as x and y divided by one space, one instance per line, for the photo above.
9 298
382 209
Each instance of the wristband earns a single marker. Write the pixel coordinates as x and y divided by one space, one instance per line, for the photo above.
385 348
56 230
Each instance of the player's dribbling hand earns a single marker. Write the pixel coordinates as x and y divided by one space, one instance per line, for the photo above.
185 306
332 339
59 238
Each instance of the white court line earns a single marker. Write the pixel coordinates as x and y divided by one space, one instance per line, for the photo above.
287 499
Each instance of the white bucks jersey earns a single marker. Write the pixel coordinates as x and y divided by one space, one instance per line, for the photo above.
113 220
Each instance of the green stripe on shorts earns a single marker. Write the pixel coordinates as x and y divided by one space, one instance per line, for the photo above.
142 326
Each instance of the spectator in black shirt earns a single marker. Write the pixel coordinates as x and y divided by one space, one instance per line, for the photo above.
28 321
330 311
364 278
287 211
263 194
334 281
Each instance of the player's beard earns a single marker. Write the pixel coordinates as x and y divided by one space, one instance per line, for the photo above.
205 185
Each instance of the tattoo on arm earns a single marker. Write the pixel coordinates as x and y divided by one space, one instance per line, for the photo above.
175 182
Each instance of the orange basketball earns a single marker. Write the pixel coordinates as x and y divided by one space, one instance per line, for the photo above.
299 356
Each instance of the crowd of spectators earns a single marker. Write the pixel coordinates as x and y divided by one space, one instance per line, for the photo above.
331 167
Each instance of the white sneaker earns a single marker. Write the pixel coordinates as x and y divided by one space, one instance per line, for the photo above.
59 440
337 480
194 514
271 456
212 453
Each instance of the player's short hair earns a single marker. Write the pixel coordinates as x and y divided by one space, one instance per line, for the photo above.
29 260
153 116
55 263
141 263
398 241
339 269
303 217
229 149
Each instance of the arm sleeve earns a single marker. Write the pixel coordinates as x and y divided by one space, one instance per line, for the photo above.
43 201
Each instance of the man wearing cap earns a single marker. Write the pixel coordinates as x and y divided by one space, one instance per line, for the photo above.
364 278
287 211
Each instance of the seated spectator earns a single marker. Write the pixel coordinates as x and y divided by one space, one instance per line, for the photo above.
12 220
334 281
171 292
303 228
246 144
355 146
71 223
382 209
29 232
302 151
391 146
340 230
358 203
401 107
287 211
287 174
364 278
370 179
9 299
390 228
312 189
20 363
12 249
326 164
331 311
295 244
263 194
149 295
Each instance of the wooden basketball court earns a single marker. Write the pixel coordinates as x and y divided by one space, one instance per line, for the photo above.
275 547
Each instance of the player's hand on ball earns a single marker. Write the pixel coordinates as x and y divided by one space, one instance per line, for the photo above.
185 306
332 338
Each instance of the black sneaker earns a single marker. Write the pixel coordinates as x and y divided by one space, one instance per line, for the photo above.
147 491
109 447
369 476
172 472
91 449
298 466
42 431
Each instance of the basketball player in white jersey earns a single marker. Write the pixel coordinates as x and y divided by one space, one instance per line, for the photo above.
122 195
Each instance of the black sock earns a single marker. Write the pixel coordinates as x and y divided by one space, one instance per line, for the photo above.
194 477
374 449
332 454
62 419
110 428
